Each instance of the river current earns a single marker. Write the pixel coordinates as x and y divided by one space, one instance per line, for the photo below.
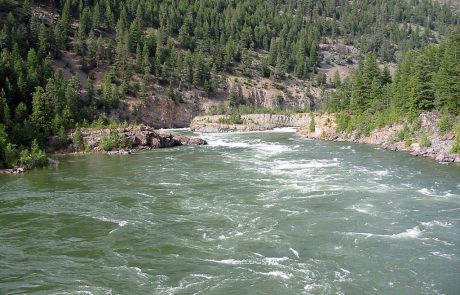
252 213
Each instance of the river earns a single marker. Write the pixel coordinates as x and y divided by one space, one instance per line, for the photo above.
253 213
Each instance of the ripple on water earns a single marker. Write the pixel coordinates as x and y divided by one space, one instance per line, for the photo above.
251 212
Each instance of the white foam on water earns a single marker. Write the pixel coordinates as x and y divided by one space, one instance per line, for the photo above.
199 275
279 274
365 209
296 253
91 289
258 254
284 130
230 144
255 219
342 276
261 148
449 210
315 287
139 272
306 164
267 261
443 255
227 261
382 172
443 242
145 195
120 223
169 183
290 212
274 261
432 193
411 233
434 223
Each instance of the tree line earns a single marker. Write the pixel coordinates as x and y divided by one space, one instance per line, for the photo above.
189 44
426 80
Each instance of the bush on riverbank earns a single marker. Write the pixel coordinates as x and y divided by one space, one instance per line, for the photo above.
456 147
233 118
12 156
111 142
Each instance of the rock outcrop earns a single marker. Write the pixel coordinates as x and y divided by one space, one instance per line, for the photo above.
249 122
132 139
387 137
12 171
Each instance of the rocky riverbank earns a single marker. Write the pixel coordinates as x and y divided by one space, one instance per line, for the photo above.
426 141
121 141
249 122
126 140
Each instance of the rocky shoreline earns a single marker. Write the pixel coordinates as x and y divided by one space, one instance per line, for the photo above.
129 140
387 138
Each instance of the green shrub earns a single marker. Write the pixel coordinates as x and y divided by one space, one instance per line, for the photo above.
456 147
424 141
36 157
445 124
233 118
404 134
98 124
312 123
408 142
111 142
78 140
11 155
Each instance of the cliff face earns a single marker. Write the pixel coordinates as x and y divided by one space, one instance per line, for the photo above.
250 122
388 137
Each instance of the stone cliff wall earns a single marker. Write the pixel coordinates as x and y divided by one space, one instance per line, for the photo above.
250 122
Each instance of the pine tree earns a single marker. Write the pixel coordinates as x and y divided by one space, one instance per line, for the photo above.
386 76
336 80
313 54
42 41
264 67
41 112
185 32
90 89
4 110
139 59
447 79
423 92
96 21
66 18
199 72
280 68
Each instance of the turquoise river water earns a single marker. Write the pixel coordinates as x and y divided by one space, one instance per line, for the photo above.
254 213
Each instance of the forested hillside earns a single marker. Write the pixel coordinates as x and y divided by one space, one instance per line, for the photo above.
425 81
65 64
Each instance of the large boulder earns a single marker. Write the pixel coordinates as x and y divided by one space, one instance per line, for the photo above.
184 140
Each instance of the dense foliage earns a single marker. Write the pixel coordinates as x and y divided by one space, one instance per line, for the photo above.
425 81
187 44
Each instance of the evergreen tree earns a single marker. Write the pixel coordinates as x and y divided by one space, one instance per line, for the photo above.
447 79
